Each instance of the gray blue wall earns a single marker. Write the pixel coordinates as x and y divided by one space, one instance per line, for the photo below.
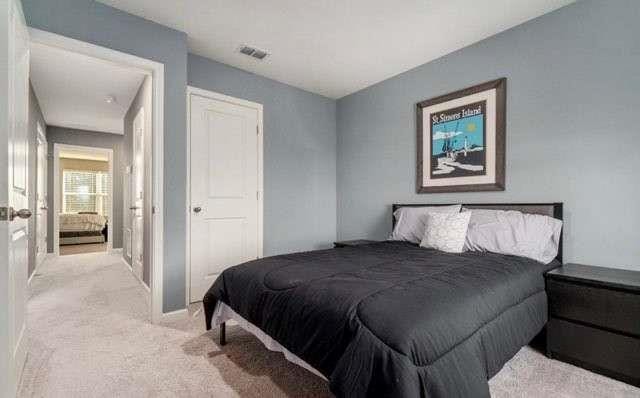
299 155
99 24
94 139
573 94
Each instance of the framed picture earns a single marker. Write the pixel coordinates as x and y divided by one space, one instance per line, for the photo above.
461 140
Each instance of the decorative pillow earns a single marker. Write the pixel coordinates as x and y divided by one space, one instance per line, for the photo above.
514 233
446 231
411 221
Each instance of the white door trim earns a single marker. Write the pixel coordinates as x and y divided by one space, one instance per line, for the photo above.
232 100
56 190
156 70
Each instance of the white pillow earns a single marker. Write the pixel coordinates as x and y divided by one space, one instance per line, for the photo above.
411 221
515 233
446 231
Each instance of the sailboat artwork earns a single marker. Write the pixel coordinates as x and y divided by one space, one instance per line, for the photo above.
461 140
458 142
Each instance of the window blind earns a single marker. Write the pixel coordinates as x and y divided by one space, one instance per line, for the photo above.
85 191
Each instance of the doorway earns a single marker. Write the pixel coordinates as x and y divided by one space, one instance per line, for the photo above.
152 83
83 199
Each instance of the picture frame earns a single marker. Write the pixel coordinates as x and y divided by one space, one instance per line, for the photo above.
461 140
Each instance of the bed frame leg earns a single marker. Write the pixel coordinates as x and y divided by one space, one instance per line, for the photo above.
223 334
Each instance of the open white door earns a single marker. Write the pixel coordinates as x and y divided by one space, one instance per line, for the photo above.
14 230
226 202
41 209
137 195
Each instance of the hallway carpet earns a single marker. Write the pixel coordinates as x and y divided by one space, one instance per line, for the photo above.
84 248
89 336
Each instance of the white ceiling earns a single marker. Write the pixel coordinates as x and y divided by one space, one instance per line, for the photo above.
72 89
333 47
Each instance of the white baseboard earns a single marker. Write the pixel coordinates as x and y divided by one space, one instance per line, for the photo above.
31 277
175 316
125 262
47 257
144 285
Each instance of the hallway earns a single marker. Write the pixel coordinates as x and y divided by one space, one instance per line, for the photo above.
66 250
89 336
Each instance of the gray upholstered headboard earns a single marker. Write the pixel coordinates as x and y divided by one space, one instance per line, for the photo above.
546 209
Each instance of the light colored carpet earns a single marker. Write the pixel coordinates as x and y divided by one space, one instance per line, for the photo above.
66 250
89 336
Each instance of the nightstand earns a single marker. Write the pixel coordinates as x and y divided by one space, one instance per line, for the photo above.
351 243
594 319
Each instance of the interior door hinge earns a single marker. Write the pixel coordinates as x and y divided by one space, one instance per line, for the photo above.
257 195
4 214
257 129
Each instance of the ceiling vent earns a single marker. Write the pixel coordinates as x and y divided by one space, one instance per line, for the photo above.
253 52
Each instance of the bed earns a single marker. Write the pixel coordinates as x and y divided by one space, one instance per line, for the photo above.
391 319
79 228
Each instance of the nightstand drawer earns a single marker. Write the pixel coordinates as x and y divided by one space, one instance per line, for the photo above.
608 308
609 353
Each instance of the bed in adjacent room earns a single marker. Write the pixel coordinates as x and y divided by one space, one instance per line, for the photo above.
393 318
80 228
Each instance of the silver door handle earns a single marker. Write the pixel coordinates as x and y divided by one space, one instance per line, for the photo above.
133 208
22 213
197 209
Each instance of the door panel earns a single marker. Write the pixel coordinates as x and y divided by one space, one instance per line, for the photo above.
227 244
14 146
127 198
127 242
137 198
20 257
41 209
224 201
226 161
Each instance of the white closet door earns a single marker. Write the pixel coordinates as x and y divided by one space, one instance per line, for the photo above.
224 189
137 195
41 209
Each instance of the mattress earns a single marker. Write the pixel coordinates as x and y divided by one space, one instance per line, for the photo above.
391 318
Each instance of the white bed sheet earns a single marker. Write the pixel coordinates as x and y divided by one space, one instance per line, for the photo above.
224 313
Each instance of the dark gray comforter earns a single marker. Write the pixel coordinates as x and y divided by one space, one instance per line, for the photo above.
392 319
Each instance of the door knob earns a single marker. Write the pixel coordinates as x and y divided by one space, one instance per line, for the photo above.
133 208
23 213
197 209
